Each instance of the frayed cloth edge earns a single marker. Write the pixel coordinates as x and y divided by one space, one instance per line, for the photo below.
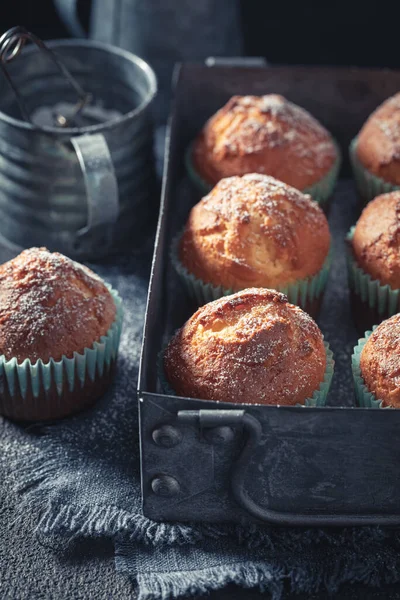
262 575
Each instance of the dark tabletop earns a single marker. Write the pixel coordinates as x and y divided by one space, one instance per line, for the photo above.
30 571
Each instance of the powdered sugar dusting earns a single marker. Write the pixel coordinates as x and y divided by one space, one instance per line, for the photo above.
385 120
380 361
376 241
233 196
254 231
252 342
391 130
50 306
271 121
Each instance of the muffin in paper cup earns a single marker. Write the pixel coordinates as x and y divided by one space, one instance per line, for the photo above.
306 293
42 391
371 301
60 328
321 191
319 397
364 397
368 185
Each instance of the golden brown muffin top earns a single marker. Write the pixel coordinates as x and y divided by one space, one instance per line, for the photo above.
251 347
378 145
254 231
380 362
50 306
376 241
264 134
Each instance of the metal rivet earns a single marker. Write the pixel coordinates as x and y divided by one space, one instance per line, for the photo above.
166 436
219 435
165 485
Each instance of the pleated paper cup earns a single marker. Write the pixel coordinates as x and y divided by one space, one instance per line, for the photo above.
372 302
321 191
306 293
368 185
364 397
55 389
319 397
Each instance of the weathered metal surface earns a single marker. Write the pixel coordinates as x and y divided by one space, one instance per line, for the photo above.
326 466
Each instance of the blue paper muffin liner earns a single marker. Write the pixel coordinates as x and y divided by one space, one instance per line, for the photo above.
299 292
364 397
27 381
320 192
368 185
382 298
318 398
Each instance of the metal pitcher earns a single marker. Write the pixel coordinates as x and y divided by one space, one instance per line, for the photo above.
82 187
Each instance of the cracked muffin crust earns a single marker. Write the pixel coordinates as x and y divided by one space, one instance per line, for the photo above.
50 306
378 143
264 134
254 231
376 240
251 346
380 362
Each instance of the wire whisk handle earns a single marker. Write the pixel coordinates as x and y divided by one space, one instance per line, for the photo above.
11 45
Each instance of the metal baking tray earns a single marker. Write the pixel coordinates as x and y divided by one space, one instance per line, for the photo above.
210 461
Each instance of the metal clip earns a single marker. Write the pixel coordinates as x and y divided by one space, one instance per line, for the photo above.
11 44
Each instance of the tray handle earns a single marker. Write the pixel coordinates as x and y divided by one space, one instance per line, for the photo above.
253 430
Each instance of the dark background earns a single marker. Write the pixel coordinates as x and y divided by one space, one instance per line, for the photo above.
292 31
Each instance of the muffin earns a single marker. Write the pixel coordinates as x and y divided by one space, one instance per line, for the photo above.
255 231
252 347
59 334
375 152
376 366
374 261
267 135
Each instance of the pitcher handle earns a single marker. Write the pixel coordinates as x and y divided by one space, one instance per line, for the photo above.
101 190
68 13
